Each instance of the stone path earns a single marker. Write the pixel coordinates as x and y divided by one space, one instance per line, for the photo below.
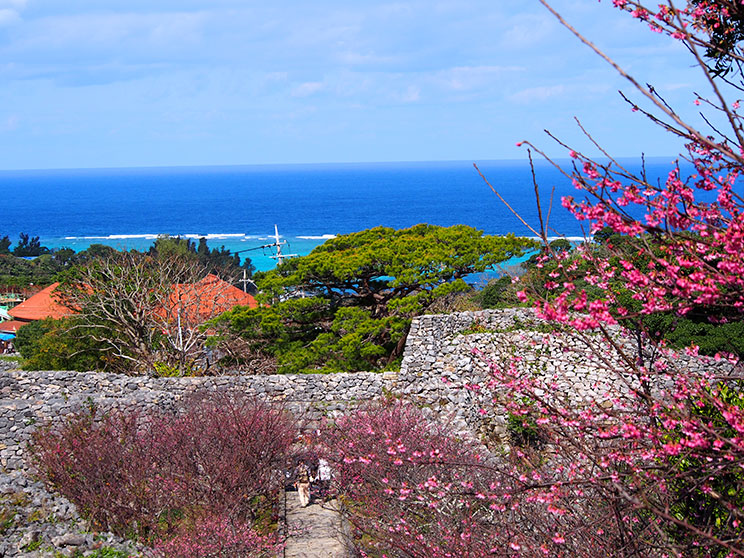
315 531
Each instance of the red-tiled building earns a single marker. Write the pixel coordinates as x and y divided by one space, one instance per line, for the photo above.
44 304
206 299
11 326
196 302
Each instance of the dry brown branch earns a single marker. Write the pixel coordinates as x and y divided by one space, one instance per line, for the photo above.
147 311
506 203
691 130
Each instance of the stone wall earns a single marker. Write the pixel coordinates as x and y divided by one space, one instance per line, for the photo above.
30 398
448 354
8 364
444 354
434 347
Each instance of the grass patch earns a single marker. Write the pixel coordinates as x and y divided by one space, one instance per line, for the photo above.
11 358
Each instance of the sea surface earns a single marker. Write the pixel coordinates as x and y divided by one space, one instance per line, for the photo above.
238 206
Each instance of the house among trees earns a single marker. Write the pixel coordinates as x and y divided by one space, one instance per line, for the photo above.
192 303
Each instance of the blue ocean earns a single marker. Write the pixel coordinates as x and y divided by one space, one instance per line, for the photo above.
238 206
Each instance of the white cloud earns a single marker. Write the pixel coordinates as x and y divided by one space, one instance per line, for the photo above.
541 93
379 71
10 12
464 78
308 88
9 17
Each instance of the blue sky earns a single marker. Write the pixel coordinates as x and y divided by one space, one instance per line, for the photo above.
87 83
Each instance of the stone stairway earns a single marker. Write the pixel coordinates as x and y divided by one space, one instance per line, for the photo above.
315 531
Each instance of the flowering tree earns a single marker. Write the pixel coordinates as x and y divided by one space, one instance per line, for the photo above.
411 487
666 454
200 482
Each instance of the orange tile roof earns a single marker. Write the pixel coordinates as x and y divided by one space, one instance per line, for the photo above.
44 304
197 302
11 326
206 299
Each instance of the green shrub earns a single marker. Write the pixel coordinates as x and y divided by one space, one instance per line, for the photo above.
523 430
108 552
701 507
58 345
711 338
7 519
498 293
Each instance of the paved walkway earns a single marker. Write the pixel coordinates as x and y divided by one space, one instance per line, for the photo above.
315 531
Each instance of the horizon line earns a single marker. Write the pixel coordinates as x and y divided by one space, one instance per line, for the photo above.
638 158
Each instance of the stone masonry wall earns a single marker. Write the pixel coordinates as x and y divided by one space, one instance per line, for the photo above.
8 364
443 355
29 398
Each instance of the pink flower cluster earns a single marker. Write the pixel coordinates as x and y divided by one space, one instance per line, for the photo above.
662 464
695 20
412 488
664 457
686 248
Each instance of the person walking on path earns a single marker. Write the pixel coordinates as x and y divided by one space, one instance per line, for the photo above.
303 485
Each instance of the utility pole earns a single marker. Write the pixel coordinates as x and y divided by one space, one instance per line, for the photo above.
279 257
244 280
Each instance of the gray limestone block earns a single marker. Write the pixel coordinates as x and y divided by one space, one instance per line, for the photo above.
72 539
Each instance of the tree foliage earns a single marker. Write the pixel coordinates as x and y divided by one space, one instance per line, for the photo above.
347 305
498 293
48 265
397 271
29 246
19 272
59 345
